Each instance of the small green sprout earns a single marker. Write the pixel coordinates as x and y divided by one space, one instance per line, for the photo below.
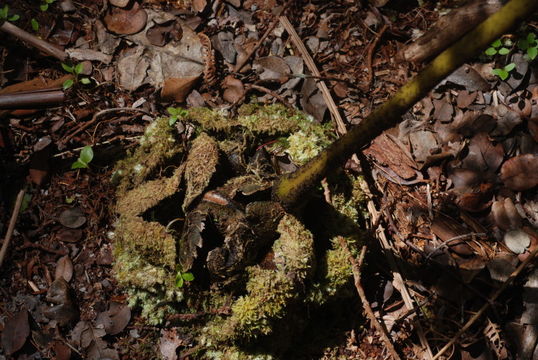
505 71
75 71
35 24
44 6
4 14
529 45
497 48
175 113
182 277
86 156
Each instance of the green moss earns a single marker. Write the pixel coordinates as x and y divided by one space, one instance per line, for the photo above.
157 147
270 292
270 119
211 120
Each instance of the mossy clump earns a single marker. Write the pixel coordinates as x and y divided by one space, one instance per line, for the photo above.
271 291
158 146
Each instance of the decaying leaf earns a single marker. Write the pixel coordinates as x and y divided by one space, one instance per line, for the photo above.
72 218
126 21
200 166
65 310
505 214
64 269
234 89
519 173
177 89
517 241
272 68
15 333
115 319
178 60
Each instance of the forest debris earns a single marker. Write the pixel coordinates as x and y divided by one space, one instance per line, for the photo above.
126 21
519 173
449 28
115 319
64 311
15 332
64 268
72 218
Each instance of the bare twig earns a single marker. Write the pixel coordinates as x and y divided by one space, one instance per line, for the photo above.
356 266
11 227
270 92
333 109
94 118
370 55
484 307
269 30
31 99
39 44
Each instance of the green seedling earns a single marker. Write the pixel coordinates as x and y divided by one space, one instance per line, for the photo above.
4 14
497 48
86 156
182 277
529 45
175 113
35 24
45 5
504 72
76 71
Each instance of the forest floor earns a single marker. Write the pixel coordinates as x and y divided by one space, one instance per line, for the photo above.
452 198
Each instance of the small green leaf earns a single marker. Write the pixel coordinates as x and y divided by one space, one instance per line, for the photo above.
67 68
490 51
188 276
503 74
67 84
510 67
14 17
179 280
503 51
531 37
49 1
35 24
69 199
79 165
86 154
172 110
25 202
172 120
44 7
532 52
85 81
79 68
496 43
523 44
4 11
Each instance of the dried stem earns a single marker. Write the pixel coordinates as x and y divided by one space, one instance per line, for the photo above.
11 227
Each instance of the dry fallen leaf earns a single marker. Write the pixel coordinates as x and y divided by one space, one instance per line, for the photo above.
177 89
505 214
64 269
519 173
126 21
15 332
234 89
72 218
517 241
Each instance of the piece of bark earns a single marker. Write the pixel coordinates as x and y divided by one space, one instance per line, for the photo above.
449 28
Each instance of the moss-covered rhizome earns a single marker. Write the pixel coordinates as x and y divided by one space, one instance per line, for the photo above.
199 201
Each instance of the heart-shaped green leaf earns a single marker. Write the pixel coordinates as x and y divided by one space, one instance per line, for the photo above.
510 67
503 51
86 155
188 276
67 84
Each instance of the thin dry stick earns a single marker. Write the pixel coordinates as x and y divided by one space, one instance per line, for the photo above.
269 30
356 266
396 274
94 118
340 125
42 45
370 56
484 307
11 227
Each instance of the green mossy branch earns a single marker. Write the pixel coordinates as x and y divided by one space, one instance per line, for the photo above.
290 189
